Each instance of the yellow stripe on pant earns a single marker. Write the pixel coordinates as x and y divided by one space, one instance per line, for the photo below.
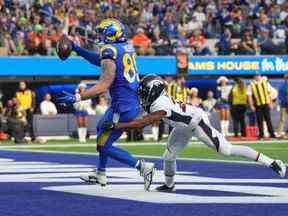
101 141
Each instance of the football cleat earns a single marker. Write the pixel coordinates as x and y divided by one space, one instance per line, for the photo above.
164 188
147 170
96 177
279 167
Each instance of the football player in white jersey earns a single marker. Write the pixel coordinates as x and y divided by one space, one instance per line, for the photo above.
187 121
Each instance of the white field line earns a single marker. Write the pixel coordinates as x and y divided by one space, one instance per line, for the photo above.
193 144
138 156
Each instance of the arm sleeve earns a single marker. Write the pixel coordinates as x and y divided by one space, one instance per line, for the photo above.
92 57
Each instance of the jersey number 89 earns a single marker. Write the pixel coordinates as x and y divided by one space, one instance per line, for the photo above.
130 70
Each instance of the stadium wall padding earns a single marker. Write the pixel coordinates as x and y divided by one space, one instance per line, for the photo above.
76 66
162 65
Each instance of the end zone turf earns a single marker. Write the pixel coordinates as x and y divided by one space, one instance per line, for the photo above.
48 184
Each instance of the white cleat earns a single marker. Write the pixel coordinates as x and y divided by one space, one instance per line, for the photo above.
96 177
279 167
147 170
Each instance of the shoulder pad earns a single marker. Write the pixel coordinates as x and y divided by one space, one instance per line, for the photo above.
108 52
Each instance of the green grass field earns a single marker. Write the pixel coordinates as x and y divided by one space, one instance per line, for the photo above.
275 149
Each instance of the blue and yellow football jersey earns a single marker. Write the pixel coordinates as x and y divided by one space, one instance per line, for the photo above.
123 90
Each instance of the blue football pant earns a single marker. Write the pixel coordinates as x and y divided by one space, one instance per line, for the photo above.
106 138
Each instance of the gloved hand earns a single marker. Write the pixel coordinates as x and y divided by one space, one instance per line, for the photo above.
69 98
107 125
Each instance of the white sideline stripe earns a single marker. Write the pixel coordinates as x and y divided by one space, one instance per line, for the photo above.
138 156
194 144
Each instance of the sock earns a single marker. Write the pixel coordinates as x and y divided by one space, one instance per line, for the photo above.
79 134
265 160
84 131
169 181
103 158
222 125
155 132
169 172
122 156
226 127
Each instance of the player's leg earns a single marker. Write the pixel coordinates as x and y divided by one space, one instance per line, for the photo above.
211 137
105 140
177 141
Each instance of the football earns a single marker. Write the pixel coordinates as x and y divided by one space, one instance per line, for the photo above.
64 47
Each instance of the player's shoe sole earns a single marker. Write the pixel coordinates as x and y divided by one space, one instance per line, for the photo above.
95 179
279 167
165 189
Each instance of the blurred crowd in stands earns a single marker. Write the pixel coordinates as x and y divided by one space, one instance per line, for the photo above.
16 115
247 104
156 27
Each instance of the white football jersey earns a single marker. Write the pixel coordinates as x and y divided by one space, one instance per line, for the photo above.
178 114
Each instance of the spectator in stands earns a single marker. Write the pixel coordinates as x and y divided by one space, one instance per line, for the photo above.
102 106
20 48
198 42
194 25
35 41
225 46
247 45
81 114
142 43
194 99
261 103
161 43
200 15
283 101
9 44
183 26
169 25
238 99
266 44
26 100
222 104
47 107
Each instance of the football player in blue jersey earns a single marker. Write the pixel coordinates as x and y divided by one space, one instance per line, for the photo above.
119 75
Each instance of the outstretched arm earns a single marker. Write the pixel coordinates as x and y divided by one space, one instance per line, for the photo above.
138 123
92 57
107 77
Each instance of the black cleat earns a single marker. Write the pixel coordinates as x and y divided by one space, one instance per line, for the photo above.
279 167
164 188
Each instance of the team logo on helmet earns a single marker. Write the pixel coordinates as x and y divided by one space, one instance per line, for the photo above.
112 30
